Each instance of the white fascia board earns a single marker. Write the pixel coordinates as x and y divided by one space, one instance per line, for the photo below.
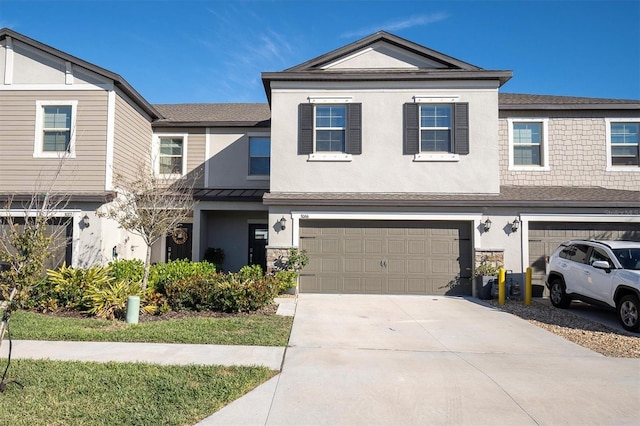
8 61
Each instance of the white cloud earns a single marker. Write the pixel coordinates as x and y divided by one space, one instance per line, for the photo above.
413 21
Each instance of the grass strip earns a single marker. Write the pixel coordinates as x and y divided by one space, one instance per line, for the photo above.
253 330
82 393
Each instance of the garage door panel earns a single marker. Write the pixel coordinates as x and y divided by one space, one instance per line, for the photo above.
416 257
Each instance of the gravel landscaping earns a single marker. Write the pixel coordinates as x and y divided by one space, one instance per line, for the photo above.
589 334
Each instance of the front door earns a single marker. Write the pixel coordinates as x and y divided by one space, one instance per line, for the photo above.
258 235
179 242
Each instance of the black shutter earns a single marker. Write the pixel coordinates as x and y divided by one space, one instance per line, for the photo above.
461 128
411 129
354 129
305 129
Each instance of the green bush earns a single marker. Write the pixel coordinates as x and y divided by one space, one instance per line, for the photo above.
162 274
286 280
109 300
235 294
250 273
131 270
192 293
68 285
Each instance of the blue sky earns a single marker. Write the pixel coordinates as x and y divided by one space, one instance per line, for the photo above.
214 51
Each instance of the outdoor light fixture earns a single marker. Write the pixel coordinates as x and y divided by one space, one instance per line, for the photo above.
487 225
283 223
515 225
85 221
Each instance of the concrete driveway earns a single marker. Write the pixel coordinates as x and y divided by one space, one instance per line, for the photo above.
417 360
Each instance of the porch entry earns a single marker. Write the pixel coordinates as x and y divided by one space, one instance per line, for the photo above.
258 236
178 242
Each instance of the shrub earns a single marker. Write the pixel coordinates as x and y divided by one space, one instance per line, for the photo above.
109 300
235 294
162 274
68 285
131 270
191 293
215 256
250 273
286 280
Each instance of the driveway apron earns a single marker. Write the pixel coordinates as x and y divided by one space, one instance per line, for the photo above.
417 360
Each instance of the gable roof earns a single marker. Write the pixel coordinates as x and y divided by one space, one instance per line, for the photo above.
118 81
221 115
514 101
444 67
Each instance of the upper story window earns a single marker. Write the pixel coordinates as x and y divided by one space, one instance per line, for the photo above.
171 159
436 131
528 144
55 129
329 131
259 156
623 143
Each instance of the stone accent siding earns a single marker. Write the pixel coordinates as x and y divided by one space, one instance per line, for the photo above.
275 257
577 152
494 257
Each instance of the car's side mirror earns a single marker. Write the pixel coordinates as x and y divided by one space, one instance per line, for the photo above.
601 264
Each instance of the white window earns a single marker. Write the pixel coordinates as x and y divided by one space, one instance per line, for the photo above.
435 128
528 144
623 144
171 155
55 129
330 128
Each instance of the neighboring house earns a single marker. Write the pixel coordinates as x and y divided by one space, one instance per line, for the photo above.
383 159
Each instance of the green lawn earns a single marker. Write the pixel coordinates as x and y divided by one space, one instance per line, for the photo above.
82 393
256 330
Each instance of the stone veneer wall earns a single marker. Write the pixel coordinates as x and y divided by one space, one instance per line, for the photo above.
275 255
495 257
577 151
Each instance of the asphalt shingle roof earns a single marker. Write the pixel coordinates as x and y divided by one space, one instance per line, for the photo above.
215 114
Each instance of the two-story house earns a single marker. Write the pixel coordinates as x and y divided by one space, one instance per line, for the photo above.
396 167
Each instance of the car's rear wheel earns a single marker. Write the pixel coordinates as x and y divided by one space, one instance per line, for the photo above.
558 296
628 312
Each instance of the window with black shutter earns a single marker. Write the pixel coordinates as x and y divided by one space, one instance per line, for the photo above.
436 128
327 128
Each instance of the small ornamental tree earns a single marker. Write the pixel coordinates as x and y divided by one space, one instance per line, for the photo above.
150 206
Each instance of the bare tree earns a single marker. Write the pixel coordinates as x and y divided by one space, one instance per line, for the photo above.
150 206
32 232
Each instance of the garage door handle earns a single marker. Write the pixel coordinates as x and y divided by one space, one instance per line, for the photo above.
383 263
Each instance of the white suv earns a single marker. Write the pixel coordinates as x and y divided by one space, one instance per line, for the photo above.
605 273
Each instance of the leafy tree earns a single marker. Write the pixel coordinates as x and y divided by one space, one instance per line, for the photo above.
150 206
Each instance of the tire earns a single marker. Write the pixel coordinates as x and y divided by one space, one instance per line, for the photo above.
628 312
558 296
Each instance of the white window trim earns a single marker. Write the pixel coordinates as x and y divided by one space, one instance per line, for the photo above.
38 151
256 135
329 155
330 99
156 152
424 156
441 157
335 156
545 166
610 166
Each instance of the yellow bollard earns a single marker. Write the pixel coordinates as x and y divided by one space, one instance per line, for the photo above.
527 288
501 285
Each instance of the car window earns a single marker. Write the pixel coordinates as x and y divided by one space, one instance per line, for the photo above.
598 254
629 258
576 253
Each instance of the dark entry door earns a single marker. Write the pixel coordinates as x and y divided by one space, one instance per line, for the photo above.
258 236
179 242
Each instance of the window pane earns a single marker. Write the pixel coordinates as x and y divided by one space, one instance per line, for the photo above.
55 141
624 133
57 117
625 161
435 140
331 116
527 133
435 116
171 146
259 165
330 140
170 165
526 155
259 147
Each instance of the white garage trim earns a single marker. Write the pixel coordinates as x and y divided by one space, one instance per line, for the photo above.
296 216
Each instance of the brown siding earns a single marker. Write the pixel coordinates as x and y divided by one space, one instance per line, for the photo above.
20 172
577 151
132 137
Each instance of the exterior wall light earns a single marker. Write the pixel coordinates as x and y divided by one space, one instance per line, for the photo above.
85 221
487 225
515 225
283 223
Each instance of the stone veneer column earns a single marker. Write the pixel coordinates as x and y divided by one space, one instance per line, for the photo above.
275 256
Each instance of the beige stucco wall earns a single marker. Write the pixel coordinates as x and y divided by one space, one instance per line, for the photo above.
577 146
21 172
382 167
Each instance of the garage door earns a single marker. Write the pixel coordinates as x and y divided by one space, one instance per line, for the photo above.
386 257
545 237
